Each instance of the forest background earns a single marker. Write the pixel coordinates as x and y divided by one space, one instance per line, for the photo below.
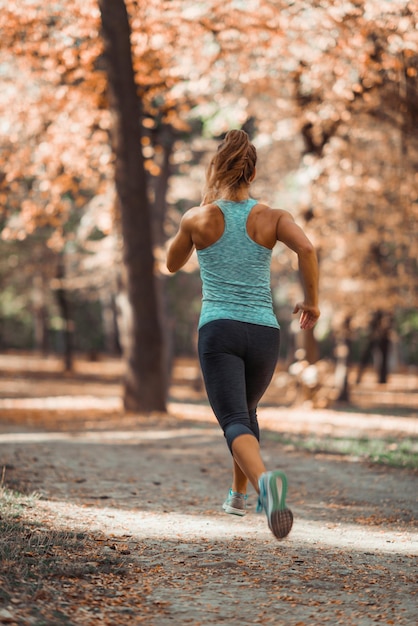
109 112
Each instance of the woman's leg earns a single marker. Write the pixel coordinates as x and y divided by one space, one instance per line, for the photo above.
246 452
260 363
238 363
239 479
221 351
262 350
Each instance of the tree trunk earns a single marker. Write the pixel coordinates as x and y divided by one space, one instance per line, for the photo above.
145 384
61 295
165 136
109 322
384 347
40 315
342 352
341 372
379 340
366 356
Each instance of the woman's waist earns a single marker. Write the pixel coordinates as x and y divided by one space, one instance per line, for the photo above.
233 303
238 294
252 312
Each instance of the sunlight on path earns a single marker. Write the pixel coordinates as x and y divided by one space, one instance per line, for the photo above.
112 403
279 419
300 419
110 436
145 525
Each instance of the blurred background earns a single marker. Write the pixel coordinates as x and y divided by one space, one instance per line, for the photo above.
109 114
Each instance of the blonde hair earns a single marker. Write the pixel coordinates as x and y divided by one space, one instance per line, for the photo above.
232 167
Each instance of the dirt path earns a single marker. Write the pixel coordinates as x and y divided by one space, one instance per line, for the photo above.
157 485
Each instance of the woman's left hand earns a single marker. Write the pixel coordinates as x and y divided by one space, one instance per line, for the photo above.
309 315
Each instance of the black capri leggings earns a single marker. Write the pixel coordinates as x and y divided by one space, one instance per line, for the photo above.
238 361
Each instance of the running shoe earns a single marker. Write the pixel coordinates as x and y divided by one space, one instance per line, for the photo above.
272 500
235 503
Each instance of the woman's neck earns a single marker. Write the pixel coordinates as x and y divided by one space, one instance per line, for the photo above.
235 196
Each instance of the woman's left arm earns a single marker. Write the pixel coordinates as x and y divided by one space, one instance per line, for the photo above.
181 246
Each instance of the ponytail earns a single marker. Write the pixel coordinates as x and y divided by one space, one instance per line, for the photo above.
232 167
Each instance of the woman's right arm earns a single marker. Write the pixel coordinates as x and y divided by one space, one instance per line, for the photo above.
181 246
294 238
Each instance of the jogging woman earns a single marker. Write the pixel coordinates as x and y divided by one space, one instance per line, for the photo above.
239 335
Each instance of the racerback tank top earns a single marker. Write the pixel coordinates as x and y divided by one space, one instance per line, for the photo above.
235 272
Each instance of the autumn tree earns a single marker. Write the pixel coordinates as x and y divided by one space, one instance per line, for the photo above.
360 143
333 88
145 380
52 156
330 87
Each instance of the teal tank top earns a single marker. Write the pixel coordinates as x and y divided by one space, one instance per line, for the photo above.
235 272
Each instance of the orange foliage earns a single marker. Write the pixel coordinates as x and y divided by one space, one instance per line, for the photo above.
341 75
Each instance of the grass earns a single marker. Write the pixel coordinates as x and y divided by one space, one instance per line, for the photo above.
400 453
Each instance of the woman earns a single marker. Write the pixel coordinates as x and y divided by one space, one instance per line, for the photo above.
239 334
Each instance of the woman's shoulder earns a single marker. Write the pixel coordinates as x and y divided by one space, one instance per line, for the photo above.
201 217
201 209
263 223
269 213
201 213
194 213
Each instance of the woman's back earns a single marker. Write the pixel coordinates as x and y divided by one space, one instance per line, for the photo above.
235 269
208 223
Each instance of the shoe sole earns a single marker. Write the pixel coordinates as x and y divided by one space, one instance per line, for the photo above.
280 523
232 511
280 520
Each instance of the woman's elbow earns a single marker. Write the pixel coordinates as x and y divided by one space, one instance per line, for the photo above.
171 266
307 250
